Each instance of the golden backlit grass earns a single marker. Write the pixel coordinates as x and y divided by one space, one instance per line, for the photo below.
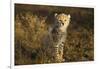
31 25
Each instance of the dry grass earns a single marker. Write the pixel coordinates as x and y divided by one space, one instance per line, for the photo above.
31 24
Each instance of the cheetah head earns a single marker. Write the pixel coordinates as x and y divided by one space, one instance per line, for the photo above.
62 19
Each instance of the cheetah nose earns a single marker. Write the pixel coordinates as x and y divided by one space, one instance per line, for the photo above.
62 23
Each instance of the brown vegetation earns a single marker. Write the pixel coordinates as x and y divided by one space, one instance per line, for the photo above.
31 22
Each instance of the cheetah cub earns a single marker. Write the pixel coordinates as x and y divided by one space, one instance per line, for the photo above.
58 34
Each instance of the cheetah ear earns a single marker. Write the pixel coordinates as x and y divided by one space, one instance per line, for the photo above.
56 14
69 16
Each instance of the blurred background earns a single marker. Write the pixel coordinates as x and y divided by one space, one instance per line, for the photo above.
31 23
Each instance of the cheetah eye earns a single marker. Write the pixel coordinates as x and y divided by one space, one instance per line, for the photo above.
59 20
65 20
